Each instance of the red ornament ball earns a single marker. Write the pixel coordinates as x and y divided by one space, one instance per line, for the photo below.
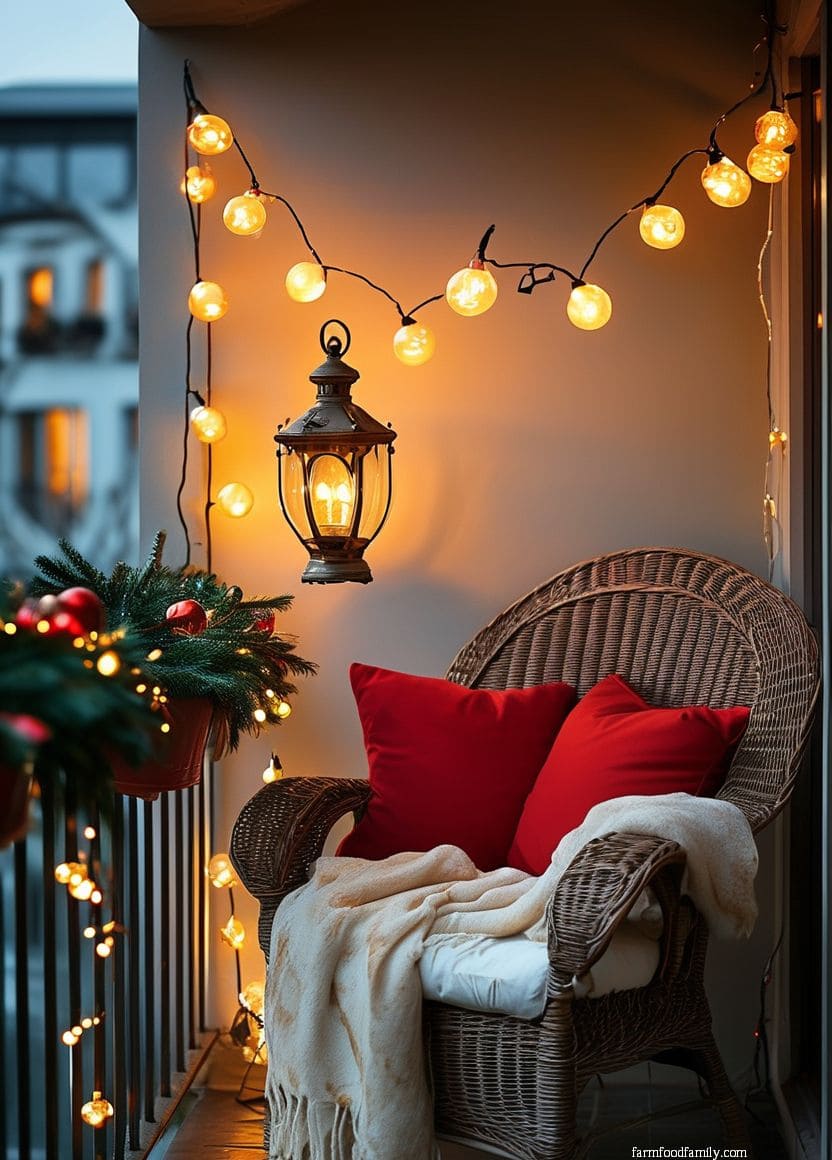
187 616
264 622
84 609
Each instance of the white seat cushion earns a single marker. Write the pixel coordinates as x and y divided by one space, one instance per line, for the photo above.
508 975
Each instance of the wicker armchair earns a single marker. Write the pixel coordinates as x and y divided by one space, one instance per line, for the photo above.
682 628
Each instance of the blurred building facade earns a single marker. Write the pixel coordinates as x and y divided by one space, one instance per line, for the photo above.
68 322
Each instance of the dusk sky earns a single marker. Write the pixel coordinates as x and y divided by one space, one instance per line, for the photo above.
58 46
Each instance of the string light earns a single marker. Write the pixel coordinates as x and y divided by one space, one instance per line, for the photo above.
283 710
209 134
776 436
89 832
273 770
306 282
245 215
208 424
413 344
97 1111
259 715
235 500
776 129
198 184
661 226
725 183
233 933
471 290
767 164
108 664
207 301
221 872
589 307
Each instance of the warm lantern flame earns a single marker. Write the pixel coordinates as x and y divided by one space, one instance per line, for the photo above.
305 282
661 226
589 307
209 134
472 290
725 183
414 344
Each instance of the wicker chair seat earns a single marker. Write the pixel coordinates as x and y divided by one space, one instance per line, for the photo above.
681 628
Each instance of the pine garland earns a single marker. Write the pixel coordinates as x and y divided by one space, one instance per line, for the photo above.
240 667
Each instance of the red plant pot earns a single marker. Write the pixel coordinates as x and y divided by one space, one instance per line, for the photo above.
177 762
15 789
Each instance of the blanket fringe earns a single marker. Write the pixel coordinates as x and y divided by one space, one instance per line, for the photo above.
301 1130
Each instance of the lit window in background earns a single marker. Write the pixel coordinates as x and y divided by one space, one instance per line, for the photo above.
40 286
66 456
95 286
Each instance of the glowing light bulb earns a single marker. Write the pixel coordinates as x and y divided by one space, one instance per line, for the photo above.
103 950
252 996
245 215
233 933
272 772
305 282
207 301
69 1039
259 716
661 226
589 307
775 129
768 164
283 710
210 135
108 663
235 500
63 872
89 832
221 872
199 184
472 290
97 1111
208 424
776 436
414 344
725 183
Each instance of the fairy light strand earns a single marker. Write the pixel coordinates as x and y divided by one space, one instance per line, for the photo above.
530 280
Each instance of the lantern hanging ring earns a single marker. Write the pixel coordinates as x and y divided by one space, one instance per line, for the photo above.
333 344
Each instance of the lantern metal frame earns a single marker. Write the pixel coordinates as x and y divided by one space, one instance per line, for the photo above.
335 427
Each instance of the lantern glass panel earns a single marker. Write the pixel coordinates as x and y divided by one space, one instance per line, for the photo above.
332 495
376 490
290 466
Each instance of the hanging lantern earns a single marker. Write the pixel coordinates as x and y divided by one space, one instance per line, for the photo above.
334 473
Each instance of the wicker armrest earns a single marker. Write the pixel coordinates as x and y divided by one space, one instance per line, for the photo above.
597 890
281 831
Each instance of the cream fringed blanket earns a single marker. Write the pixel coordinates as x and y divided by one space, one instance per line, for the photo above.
343 998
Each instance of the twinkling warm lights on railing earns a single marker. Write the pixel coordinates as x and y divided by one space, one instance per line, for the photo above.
473 289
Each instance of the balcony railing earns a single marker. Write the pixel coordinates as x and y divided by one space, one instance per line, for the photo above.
140 1009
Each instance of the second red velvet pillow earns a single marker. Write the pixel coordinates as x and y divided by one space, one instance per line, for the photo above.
614 744
449 764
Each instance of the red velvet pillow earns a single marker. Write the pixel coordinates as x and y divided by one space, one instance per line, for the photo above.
613 744
449 764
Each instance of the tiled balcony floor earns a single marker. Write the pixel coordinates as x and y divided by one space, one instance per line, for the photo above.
220 1128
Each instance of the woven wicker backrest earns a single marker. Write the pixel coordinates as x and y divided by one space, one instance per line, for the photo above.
681 628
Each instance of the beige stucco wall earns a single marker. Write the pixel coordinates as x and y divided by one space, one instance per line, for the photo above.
525 445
